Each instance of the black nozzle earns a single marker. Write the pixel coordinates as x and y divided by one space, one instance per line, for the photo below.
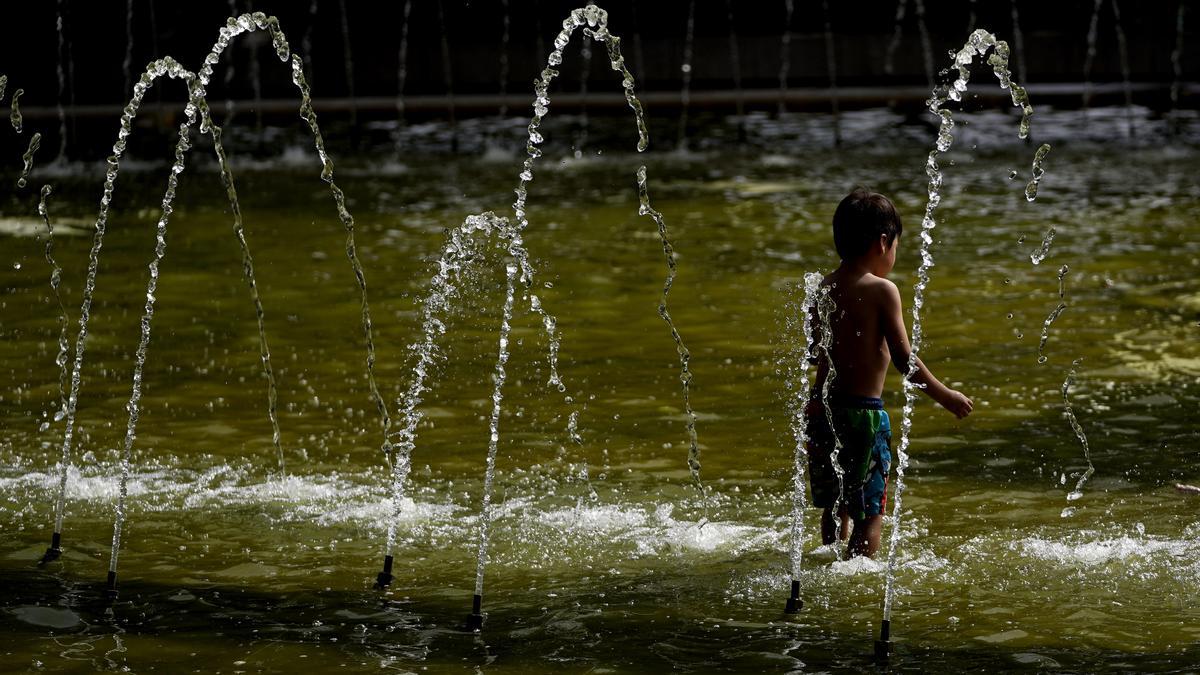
385 577
883 646
54 552
475 618
110 590
794 603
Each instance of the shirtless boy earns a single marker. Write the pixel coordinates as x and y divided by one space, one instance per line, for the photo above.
868 332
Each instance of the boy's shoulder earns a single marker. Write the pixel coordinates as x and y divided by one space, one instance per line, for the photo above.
869 283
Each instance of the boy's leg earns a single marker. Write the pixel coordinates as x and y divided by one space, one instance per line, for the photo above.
866 536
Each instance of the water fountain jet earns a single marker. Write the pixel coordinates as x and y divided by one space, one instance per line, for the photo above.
979 43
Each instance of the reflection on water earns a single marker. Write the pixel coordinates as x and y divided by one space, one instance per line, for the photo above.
229 568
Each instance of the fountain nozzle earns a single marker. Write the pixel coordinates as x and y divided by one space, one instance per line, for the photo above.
475 618
794 603
110 591
54 552
883 646
384 578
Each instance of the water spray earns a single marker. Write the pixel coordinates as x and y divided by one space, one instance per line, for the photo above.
979 43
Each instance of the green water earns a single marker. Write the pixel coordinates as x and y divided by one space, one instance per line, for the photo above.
227 567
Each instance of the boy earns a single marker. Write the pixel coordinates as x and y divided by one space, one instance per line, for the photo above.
868 331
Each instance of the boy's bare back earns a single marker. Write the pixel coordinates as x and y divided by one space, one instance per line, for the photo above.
867 320
860 347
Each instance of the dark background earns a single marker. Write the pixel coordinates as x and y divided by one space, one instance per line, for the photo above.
1054 37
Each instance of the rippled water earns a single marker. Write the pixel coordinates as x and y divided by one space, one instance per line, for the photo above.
225 567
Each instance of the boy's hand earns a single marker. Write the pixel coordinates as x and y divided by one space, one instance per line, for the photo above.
957 403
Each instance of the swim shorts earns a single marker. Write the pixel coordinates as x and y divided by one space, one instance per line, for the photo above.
865 434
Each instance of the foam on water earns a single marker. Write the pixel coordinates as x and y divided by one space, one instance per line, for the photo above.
1100 551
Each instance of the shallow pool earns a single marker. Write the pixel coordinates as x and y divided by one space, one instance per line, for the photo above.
599 562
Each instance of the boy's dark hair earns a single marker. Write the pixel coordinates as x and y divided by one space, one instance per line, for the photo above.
859 221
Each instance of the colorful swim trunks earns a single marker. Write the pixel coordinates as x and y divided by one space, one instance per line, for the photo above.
865 434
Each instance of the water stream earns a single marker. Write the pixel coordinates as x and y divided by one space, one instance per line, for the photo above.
798 329
15 117
685 70
1062 305
1069 412
402 68
169 67
63 49
35 143
785 53
198 106
979 43
1123 54
831 69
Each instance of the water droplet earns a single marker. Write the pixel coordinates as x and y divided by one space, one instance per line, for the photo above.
16 266
1043 359
1012 174
686 68
1009 315
1007 281
1021 239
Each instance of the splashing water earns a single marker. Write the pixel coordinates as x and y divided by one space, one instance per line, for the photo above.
1037 256
1054 315
207 124
1062 304
35 143
457 254
198 103
594 22
3 85
685 69
55 280
485 512
685 373
825 308
1069 411
15 116
61 359
796 383
1039 170
785 53
170 67
979 43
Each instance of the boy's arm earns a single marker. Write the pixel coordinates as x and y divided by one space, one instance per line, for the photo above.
894 331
